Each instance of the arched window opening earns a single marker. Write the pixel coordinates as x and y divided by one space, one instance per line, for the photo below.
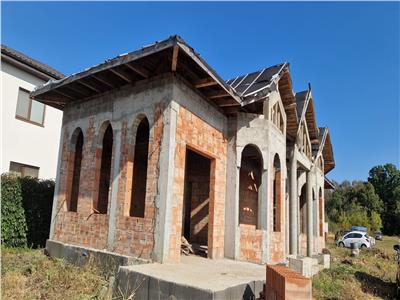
315 214
74 170
101 205
321 213
277 194
250 182
139 177
303 210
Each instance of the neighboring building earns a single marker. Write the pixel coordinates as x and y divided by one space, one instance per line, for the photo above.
30 129
155 145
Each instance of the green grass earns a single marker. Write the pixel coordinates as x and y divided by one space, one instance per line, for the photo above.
29 274
371 275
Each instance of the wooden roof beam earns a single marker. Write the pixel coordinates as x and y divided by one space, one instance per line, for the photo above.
204 82
139 70
174 58
120 75
105 82
218 94
89 86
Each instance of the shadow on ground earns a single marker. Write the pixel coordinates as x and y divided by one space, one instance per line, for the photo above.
376 286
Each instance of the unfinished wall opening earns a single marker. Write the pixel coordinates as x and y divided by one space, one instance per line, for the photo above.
277 194
303 210
139 177
74 170
101 203
249 187
321 213
196 203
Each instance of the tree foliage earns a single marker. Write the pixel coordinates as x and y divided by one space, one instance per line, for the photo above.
374 204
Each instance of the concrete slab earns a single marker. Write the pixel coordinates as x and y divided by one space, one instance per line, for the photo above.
193 278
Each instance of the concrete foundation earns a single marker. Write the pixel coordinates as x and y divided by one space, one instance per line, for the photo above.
304 265
108 261
193 278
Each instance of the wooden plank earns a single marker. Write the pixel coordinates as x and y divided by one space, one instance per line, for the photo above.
174 58
120 75
204 82
138 69
63 94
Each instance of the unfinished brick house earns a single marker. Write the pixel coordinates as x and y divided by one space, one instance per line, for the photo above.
155 146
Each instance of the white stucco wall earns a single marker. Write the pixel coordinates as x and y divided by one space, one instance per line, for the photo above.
23 142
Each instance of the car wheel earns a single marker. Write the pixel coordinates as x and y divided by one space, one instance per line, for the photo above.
341 244
363 246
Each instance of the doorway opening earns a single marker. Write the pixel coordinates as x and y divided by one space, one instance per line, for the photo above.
196 202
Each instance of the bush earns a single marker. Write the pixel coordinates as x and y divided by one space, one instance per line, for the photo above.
26 210
13 222
37 200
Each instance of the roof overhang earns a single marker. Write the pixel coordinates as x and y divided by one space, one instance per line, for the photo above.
172 55
328 185
326 149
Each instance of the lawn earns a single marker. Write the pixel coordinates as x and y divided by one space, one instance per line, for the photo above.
29 274
368 276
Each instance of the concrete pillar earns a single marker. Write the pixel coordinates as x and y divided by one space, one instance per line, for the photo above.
309 215
293 228
57 186
264 215
165 184
114 186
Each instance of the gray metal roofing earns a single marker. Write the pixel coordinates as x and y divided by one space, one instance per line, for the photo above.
247 84
23 58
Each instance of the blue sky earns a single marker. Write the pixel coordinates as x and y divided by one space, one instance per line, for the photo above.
348 51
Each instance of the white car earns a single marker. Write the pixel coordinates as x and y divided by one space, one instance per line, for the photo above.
359 237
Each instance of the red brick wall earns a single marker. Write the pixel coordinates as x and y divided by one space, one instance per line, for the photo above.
277 236
134 235
83 227
193 132
251 241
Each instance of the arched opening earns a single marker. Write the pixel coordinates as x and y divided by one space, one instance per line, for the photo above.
277 194
303 210
101 204
315 213
321 213
139 177
74 170
250 182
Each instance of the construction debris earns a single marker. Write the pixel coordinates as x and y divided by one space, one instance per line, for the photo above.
186 247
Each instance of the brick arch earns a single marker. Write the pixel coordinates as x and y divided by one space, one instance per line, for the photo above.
104 154
321 212
277 194
251 167
74 169
138 165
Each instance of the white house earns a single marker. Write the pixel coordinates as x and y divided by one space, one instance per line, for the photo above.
30 130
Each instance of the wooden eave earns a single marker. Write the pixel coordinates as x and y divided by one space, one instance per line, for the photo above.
169 56
311 119
285 87
326 150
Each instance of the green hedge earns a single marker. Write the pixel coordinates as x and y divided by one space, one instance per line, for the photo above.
26 210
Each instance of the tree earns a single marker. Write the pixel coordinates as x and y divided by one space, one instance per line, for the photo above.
386 181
